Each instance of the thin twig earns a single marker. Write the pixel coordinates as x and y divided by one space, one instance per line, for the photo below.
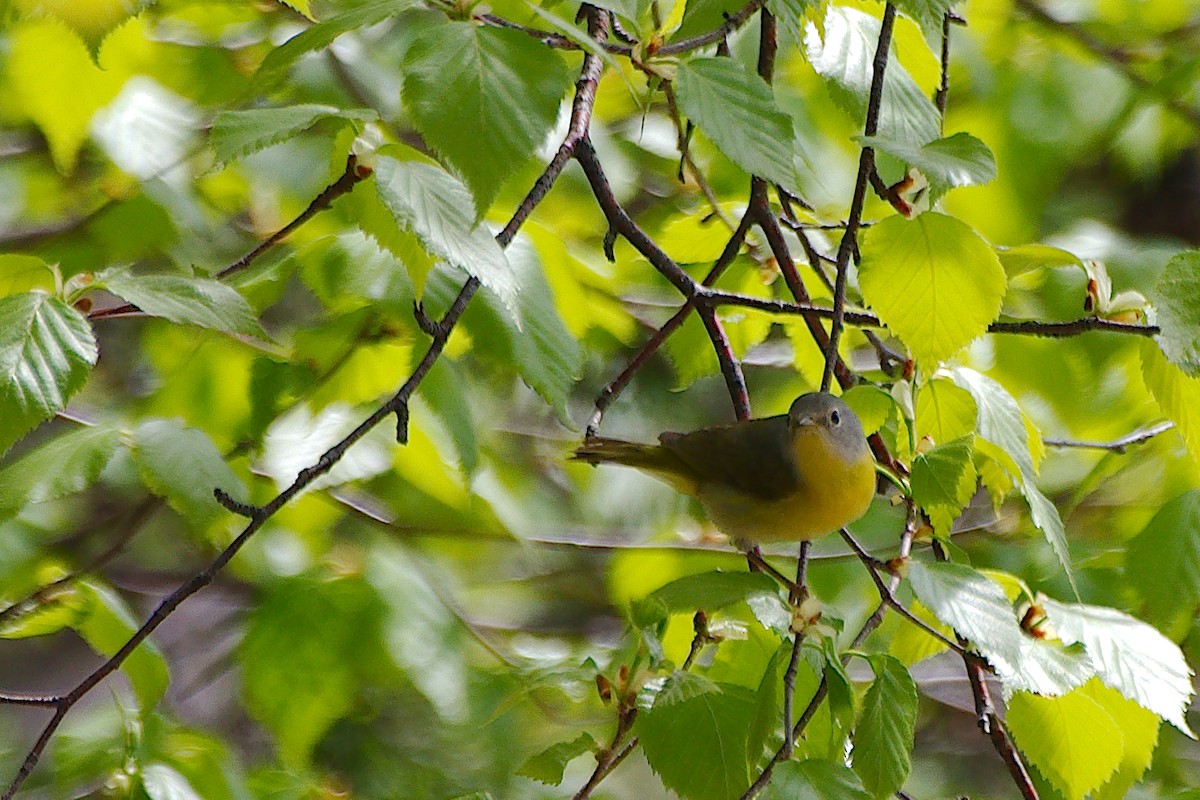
621 223
1117 445
868 627
866 168
797 596
618 384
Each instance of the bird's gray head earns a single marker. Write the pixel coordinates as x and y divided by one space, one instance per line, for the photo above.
819 411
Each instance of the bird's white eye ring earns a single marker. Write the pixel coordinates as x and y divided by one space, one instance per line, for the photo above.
834 417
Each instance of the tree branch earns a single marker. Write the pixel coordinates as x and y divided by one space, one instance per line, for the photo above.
1117 445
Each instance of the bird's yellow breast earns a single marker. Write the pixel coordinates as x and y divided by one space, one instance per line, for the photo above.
831 492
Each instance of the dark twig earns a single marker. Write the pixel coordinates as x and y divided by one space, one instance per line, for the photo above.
943 91
797 596
618 384
620 222
866 168
398 404
1072 328
1117 445
991 725
868 627
732 23
352 175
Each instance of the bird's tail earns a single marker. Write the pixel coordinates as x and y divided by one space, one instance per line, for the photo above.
653 459
599 450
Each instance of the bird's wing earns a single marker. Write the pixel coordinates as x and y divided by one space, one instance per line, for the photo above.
752 456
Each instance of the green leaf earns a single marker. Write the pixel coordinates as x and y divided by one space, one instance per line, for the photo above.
107 626
933 281
943 481
944 411
1176 298
1071 740
708 591
183 465
698 746
873 406
305 655
438 209
185 300
814 780
844 57
506 88
320 36
67 464
237 134
20 273
62 608
1177 393
736 109
926 13
1169 587
1002 425
350 270
542 351
1028 257
548 765
1130 656
162 782
883 738
683 686
958 160
1139 728
443 388
47 350
977 608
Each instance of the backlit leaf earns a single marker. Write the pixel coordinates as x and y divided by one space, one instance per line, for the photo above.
1071 740
934 282
1176 298
237 134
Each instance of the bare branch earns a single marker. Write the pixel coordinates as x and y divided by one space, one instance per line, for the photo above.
1117 445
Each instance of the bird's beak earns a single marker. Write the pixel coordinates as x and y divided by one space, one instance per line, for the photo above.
804 421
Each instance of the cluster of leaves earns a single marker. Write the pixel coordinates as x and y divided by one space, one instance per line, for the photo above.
388 599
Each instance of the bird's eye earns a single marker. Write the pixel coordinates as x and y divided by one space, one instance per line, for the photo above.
834 417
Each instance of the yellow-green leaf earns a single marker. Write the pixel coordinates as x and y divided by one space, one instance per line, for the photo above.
933 280
1071 739
1178 394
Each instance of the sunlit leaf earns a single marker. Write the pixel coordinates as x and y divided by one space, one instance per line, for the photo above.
943 481
438 209
845 55
697 745
958 160
321 35
1130 656
1071 740
1177 393
548 765
933 281
65 465
184 466
1177 300
107 626
237 134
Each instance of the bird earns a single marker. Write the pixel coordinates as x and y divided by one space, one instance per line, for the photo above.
790 477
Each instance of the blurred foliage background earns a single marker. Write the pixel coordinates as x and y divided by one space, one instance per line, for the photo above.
434 614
